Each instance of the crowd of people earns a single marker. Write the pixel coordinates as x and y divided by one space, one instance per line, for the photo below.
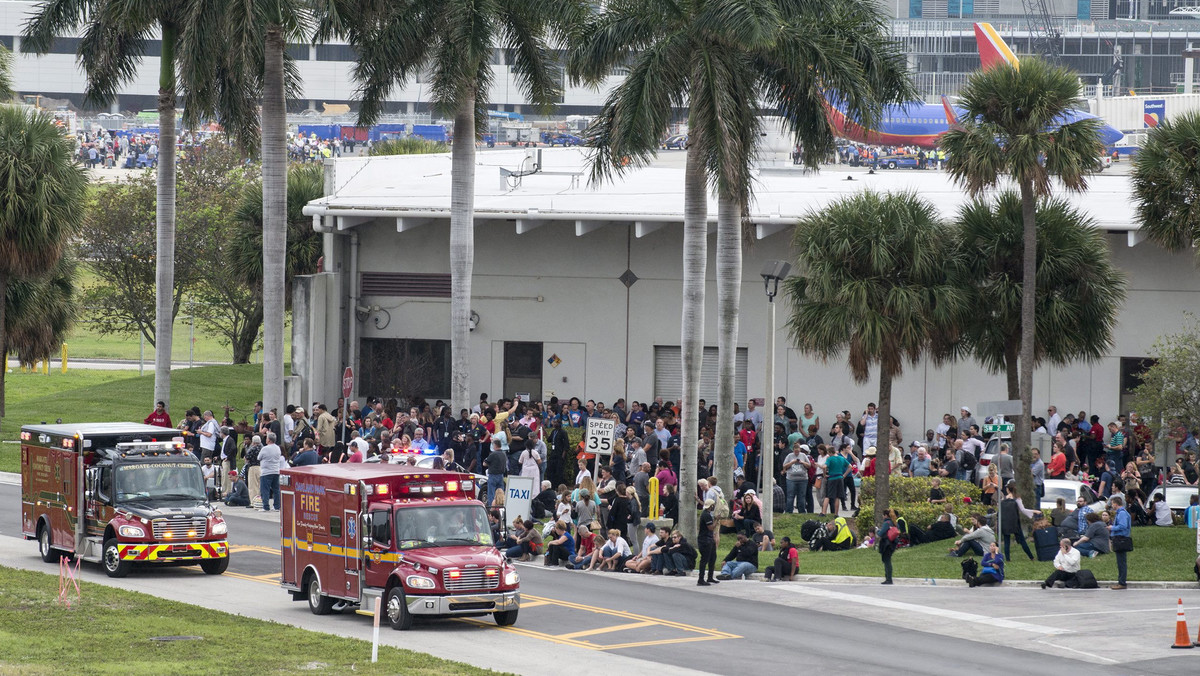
597 516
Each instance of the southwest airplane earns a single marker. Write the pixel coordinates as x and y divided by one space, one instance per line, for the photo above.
921 124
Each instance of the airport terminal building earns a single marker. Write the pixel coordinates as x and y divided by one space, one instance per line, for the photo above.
576 289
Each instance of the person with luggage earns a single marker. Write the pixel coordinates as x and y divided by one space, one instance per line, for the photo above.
886 538
992 570
1011 510
1066 566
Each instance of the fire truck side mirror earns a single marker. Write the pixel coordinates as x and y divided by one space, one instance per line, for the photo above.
91 481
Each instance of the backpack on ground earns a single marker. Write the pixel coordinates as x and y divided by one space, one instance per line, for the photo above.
809 528
1087 579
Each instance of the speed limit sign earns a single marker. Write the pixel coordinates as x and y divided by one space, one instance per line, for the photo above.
600 433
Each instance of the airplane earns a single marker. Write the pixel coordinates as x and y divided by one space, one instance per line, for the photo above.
921 124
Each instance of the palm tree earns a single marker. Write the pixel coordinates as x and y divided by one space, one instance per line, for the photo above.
1012 124
42 198
40 311
1166 180
6 86
451 43
1079 289
224 36
881 285
722 58
115 34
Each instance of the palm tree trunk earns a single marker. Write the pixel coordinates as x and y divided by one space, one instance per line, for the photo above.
274 187
462 250
729 293
1010 370
3 338
1022 456
883 445
164 263
695 260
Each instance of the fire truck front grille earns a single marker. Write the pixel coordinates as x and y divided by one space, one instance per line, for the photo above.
470 579
180 529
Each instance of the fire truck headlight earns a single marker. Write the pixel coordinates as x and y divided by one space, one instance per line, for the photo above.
511 577
419 582
132 532
220 528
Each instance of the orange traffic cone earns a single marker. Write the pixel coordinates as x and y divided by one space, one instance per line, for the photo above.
1181 630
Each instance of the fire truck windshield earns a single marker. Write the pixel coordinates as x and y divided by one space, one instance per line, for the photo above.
142 481
433 526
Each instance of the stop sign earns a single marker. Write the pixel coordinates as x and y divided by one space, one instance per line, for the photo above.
348 382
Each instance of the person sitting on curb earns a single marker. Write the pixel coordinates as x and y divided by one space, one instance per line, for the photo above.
679 556
992 571
615 552
642 563
1066 566
787 564
976 540
741 561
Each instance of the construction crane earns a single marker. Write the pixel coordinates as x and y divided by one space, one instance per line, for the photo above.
1045 37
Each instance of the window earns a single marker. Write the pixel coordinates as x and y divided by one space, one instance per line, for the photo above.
336 53
335 526
381 528
1132 369
405 368
7 41
523 369
298 52
64 46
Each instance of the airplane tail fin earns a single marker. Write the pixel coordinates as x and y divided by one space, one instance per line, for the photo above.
992 48
951 117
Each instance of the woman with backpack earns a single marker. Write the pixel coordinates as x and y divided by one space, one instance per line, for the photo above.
886 537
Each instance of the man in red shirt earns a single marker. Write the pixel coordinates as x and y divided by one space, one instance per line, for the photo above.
159 416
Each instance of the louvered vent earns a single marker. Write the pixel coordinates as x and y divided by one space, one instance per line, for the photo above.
405 284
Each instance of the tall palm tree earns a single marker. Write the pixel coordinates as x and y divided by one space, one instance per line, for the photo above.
1079 289
451 42
115 34
721 58
1166 180
881 285
42 199
227 36
1012 124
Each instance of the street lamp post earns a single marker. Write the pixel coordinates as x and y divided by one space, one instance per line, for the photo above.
772 272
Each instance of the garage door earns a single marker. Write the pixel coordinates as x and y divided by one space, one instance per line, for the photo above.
668 374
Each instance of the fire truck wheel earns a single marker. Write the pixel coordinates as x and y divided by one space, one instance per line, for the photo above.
49 554
318 603
505 619
397 609
113 565
214 566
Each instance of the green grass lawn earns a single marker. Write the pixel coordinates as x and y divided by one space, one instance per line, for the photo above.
1159 554
108 631
92 396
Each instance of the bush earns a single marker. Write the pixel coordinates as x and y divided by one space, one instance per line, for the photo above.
909 495
575 434
410 145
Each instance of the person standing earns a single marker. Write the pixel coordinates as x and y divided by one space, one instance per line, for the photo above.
795 466
707 544
1121 540
886 546
270 460
326 433
496 464
1011 510
209 432
159 416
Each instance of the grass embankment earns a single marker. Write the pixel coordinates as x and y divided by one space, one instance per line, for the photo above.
109 631
104 396
1159 554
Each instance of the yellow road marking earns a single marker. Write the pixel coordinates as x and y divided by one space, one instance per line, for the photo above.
605 630
254 548
715 633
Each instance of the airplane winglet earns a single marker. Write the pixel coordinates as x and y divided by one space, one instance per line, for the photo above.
951 118
992 48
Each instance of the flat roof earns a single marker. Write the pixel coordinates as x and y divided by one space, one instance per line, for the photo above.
95 428
356 471
415 189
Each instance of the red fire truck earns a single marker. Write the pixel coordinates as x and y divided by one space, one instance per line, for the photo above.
140 492
415 538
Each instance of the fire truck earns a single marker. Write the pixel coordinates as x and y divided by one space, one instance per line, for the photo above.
120 494
414 538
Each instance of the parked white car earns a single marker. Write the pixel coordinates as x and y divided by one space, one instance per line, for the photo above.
1070 491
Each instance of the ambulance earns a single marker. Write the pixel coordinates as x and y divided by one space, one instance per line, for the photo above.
120 494
413 538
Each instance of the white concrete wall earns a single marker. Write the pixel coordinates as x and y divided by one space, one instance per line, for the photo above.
551 286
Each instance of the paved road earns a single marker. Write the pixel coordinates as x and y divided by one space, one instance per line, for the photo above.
603 622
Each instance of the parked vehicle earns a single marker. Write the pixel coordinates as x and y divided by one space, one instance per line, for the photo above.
675 142
1178 498
1070 492
897 161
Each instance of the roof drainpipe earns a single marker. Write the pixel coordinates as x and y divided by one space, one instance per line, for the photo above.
352 338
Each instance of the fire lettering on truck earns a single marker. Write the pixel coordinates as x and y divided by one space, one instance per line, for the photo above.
308 498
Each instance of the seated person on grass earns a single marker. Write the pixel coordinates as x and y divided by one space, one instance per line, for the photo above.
763 539
1095 539
741 561
940 529
840 536
977 539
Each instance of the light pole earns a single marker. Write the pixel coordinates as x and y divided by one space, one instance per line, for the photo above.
772 272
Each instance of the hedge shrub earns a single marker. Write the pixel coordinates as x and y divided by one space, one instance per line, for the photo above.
569 468
909 496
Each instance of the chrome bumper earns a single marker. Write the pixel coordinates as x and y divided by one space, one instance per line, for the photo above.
464 604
